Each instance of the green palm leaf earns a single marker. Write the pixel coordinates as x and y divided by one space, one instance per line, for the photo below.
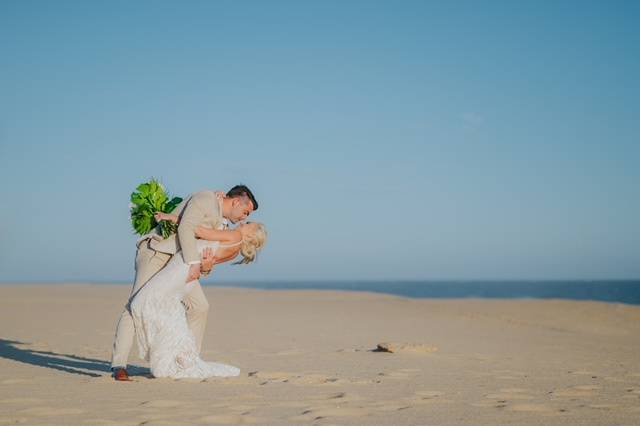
148 199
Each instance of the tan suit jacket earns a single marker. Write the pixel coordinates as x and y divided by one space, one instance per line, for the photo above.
201 209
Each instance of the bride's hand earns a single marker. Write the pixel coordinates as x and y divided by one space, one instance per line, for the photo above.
159 216
194 273
208 261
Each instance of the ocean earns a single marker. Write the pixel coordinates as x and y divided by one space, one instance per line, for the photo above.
614 291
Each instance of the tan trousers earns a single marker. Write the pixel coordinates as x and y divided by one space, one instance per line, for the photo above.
148 263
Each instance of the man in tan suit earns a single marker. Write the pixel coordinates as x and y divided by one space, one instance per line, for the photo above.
205 209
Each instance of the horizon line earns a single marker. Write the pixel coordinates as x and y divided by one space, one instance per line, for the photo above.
311 281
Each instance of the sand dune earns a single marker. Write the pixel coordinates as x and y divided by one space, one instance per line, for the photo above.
308 357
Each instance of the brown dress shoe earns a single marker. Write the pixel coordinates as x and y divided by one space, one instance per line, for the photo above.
121 375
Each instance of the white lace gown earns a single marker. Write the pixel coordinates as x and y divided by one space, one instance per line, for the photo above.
164 338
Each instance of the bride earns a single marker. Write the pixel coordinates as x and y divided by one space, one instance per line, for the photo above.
164 338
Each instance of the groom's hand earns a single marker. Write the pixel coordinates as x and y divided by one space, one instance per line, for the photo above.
194 272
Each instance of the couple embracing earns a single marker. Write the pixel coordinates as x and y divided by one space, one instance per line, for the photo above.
167 310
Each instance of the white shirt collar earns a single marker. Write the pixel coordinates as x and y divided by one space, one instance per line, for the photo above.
225 221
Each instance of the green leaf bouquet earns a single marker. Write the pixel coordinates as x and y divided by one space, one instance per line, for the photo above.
148 199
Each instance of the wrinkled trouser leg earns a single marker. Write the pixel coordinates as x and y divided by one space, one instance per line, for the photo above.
148 263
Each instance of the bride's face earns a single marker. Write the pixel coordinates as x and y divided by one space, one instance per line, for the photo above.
249 228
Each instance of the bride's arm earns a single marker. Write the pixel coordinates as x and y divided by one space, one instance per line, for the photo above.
231 256
224 236
209 261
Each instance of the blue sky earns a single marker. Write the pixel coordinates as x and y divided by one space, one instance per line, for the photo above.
384 140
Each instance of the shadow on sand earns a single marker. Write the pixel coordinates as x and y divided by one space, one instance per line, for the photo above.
67 363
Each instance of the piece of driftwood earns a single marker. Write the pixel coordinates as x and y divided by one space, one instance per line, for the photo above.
405 347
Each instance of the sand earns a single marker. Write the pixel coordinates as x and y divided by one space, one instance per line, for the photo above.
307 357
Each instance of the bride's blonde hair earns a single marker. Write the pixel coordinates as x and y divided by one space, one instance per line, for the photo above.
252 243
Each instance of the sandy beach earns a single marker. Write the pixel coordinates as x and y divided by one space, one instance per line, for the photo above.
308 357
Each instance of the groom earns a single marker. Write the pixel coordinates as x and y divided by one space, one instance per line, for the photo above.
205 209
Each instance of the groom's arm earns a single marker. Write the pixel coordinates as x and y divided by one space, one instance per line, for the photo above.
192 216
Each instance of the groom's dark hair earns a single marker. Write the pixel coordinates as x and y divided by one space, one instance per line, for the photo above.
243 191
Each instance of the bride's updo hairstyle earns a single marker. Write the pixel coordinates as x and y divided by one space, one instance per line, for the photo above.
252 243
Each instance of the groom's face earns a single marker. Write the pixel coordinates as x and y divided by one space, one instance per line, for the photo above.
241 208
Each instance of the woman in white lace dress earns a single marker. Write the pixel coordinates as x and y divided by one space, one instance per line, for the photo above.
164 338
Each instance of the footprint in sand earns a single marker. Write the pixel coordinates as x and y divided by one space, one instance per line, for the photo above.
394 406
508 374
583 373
511 372
20 401
152 417
13 420
532 408
503 397
290 352
429 393
419 398
229 419
366 381
241 408
267 377
331 412
162 403
251 396
510 394
490 404
291 404
390 405
317 379
403 373
333 398
587 387
514 390
341 398
271 376
233 381
51 411
351 350
425 397
604 406
577 391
